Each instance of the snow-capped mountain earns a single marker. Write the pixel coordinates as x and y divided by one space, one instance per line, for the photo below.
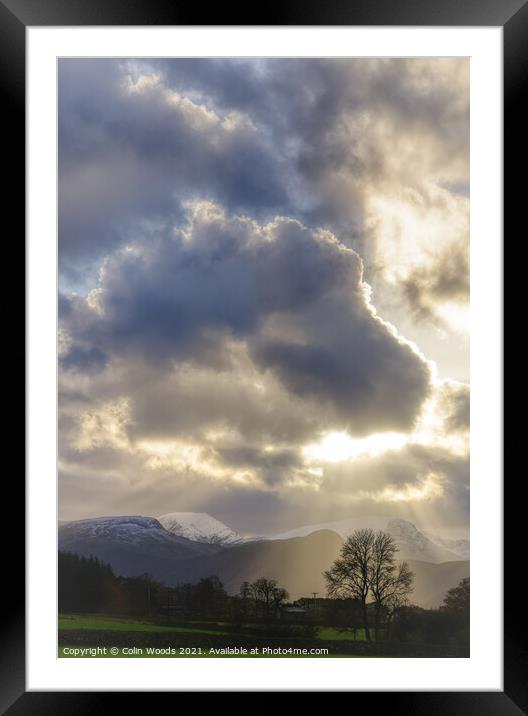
342 527
200 527
413 543
127 529
132 544
460 547
181 545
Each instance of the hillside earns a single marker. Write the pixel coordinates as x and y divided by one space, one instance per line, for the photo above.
132 545
200 527
138 545
298 565
431 581
412 542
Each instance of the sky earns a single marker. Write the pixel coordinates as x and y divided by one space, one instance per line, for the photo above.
264 289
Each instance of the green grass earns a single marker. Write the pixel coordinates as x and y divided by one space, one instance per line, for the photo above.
103 631
341 634
101 626
107 623
101 623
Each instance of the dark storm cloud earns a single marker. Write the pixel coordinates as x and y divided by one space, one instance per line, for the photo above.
272 467
129 156
215 315
173 292
295 297
87 360
189 403
307 97
367 376
324 116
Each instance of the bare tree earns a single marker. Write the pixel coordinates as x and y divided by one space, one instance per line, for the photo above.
397 593
390 583
268 595
367 566
350 575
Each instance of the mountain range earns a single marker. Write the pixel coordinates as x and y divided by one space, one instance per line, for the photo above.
132 545
413 543
200 527
184 547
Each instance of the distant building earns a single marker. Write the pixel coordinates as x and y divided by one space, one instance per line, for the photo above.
293 614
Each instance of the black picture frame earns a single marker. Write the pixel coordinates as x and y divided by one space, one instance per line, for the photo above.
15 16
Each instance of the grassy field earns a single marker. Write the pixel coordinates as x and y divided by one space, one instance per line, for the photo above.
100 636
102 623
340 634
80 635
98 623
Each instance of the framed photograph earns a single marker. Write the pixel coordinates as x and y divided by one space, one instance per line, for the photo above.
264 368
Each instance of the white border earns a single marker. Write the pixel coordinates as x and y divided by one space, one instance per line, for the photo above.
483 671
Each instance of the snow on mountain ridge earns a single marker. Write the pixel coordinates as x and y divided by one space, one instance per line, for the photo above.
342 527
199 527
413 543
132 545
460 546
128 529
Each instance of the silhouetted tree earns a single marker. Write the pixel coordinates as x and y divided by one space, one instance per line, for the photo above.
367 566
397 595
456 608
350 575
343 613
142 595
84 583
210 596
268 596
457 598
245 597
390 583
381 573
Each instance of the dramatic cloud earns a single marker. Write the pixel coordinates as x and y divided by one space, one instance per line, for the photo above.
374 150
264 289
132 149
292 299
454 405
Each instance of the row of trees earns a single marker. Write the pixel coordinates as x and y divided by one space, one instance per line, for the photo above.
85 583
88 585
367 587
262 598
367 569
449 623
